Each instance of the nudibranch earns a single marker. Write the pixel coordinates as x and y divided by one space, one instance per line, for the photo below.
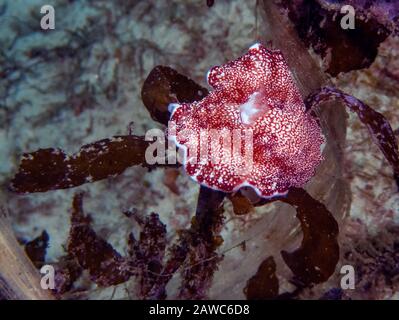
251 130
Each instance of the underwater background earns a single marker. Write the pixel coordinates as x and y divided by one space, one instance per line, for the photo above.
82 82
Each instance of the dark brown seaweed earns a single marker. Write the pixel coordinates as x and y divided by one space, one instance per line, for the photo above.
264 284
315 260
51 169
378 126
37 248
165 85
104 264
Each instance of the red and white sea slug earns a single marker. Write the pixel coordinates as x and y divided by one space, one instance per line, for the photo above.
250 130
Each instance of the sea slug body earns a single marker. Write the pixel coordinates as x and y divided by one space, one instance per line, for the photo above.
252 129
